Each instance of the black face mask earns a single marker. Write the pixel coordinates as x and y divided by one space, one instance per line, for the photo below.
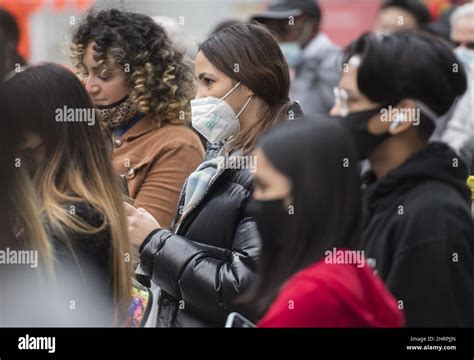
357 123
273 218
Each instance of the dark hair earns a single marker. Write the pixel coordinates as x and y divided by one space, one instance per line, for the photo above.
224 24
415 7
35 95
76 168
9 35
9 27
262 68
9 139
160 80
408 65
319 158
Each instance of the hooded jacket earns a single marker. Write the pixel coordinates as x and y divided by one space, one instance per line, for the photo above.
419 232
334 295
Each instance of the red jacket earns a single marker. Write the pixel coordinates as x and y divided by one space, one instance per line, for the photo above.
333 295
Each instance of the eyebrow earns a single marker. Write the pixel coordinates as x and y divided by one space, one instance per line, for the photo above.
93 68
201 75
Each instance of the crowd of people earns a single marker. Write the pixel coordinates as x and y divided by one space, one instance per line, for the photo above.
275 175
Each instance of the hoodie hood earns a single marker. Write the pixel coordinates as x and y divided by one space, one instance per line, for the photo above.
336 293
363 293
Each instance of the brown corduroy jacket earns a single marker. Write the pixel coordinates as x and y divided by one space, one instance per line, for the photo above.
156 162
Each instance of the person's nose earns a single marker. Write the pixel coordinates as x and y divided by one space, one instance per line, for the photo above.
200 93
91 87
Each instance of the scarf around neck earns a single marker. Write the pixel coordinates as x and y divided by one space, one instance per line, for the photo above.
117 114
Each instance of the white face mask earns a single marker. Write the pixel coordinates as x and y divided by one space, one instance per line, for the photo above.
293 50
214 118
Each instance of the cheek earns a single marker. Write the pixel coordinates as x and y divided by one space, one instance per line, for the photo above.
201 91
114 90
377 126
235 100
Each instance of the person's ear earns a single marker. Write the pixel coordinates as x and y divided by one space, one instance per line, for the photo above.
247 91
402 116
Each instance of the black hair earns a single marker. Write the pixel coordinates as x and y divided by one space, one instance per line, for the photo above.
35 98
9 140
36 94
409 65
9 35
415 7
9 27
319 158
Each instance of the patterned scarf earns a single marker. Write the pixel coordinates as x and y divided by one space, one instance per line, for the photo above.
199 182
118 114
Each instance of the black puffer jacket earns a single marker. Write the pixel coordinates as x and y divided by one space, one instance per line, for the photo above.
210 261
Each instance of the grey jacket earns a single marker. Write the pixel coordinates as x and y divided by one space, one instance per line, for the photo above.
459 133
316 76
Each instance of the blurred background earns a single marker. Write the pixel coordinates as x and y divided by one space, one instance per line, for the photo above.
46 24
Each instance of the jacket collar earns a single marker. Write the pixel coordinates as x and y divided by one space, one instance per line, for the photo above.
144 126
213 150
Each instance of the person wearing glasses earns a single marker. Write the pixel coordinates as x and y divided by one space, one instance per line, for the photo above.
418 230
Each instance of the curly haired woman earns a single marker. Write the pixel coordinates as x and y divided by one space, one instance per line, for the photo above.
141 86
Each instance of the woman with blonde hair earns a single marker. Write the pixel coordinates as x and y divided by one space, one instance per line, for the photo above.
65 152
142 86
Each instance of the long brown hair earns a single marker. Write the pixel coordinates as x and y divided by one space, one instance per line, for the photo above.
20 224
76 168
250 54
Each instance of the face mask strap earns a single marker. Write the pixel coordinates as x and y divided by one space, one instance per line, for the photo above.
340 99
245 105
427 111
230 91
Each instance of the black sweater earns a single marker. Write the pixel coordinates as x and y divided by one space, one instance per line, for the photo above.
418 228
83 270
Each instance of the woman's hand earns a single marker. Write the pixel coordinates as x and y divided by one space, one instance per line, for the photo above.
140 224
